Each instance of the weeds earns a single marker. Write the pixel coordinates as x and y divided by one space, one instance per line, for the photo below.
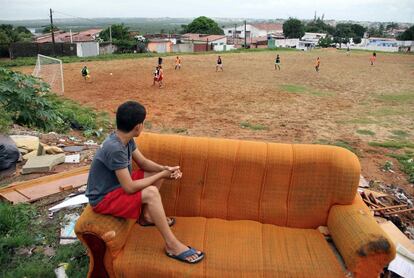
23 234
393 144
407 163
365 132
252 126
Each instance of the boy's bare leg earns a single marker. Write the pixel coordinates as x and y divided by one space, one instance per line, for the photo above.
158 185
151 197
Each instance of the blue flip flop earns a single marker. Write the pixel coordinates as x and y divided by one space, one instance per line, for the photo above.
182 257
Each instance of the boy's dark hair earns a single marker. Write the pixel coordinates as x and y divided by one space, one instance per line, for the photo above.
129 114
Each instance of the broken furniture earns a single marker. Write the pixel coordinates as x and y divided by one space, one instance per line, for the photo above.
252 207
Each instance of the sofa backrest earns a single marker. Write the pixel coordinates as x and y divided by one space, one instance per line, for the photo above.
282 184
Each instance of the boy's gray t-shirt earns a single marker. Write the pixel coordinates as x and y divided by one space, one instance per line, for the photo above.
113 155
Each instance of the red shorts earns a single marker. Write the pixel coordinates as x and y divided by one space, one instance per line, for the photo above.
119 203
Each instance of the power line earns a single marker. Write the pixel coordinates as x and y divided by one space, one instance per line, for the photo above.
78 17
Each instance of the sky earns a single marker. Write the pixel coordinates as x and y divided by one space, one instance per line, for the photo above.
358 10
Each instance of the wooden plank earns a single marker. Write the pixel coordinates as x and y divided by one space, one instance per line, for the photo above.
390 207
376 194
398 211
396 235
38 188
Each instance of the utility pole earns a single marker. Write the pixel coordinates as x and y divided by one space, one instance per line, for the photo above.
234 35
53 33
110 33
245 37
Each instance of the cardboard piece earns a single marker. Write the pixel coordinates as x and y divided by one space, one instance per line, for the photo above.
70 203
42 163
74 158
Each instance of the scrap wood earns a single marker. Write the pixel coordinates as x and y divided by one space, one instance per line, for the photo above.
398 211
389 207
376 194
32 190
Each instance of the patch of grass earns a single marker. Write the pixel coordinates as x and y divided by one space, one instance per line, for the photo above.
392 144
400 133
291 88
179 130
5 120
338 143
148 124
407 164
400 98
252 126
22 228
362 121
365 132
385 111
298 89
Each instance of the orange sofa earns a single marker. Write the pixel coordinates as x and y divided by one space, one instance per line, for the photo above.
253 207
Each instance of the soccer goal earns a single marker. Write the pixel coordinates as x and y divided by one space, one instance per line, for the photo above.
51 71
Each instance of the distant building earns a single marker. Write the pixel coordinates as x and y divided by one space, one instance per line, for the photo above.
254 30
62 36
202 39
160 45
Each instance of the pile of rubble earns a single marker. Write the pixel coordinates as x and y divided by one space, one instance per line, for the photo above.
39 153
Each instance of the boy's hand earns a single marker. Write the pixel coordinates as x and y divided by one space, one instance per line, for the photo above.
172 169
176 174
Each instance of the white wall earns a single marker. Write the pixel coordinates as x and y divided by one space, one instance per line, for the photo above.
225 47
286 42
252 32
219 42
86 49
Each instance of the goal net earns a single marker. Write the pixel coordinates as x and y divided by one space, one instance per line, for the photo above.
51 71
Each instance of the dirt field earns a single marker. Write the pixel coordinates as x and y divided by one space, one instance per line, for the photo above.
348 102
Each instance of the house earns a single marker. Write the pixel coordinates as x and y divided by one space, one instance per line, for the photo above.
160 45
288 43
380 44
254 30
203 39
310 40
62 36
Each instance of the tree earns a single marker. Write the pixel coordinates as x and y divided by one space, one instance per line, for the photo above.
119 32
343 32
408 34
319 26
359 30
325 42
357 40
293 28
203 25
48 28
8 34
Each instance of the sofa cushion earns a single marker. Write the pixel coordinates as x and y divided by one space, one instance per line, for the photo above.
281 184
239 248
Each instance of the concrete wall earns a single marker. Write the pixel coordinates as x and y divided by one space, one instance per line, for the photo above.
225 47
160 47
107 48
183 47
375 48
87 49
290 43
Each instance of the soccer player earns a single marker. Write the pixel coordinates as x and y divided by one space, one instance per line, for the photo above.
85 73
177 63
373 58
219 64
317 64
277 62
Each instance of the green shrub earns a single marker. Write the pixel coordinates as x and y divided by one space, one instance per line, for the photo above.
5 120
29 102
407 164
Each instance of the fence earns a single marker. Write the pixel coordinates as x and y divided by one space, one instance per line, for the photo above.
32 49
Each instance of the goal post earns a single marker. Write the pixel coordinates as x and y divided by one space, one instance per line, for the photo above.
51 71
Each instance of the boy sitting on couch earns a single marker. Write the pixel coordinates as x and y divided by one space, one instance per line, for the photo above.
113 188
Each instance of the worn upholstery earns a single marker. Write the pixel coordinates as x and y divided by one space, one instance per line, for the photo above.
362 243
240 248
251 206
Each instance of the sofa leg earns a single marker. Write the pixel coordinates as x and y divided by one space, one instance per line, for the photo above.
97 247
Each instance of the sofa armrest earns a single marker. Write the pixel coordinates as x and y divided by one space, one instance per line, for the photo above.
364 246
104 236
